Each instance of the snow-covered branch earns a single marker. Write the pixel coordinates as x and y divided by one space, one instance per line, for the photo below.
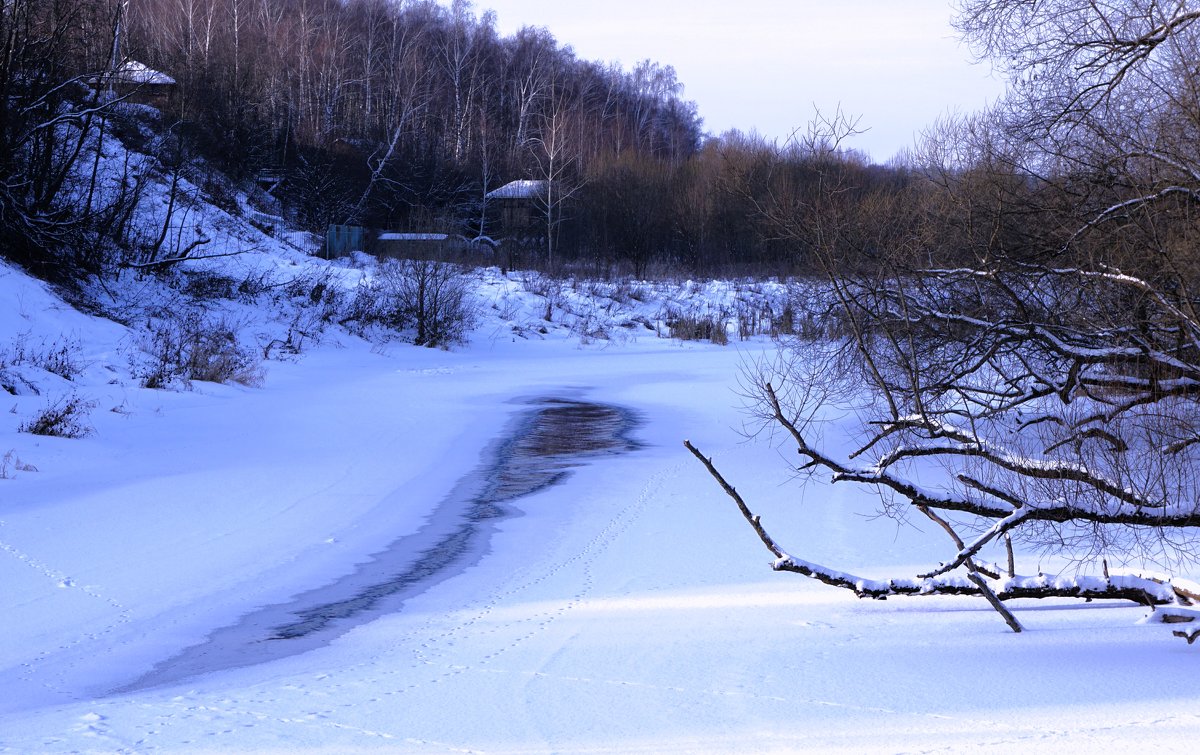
1141 590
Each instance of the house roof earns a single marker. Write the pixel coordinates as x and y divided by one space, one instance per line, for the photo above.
519 190
133 72
413 236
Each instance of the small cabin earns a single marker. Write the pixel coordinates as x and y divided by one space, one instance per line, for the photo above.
417 245
136 82
518 205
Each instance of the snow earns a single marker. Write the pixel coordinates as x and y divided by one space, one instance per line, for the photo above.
135 72
626 609
522 189
390 236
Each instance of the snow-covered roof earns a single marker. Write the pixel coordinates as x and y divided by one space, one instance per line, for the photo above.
519 190
413 237
133 72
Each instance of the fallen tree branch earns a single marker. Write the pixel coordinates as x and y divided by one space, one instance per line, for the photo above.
1140 590
965 557
1135 589
732 493
1176 615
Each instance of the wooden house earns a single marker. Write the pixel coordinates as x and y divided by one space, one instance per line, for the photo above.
137 82
519 208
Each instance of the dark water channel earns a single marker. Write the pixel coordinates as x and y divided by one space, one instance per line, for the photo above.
538 451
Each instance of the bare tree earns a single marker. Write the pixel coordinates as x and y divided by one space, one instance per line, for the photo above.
1038 384
462 59
439 299
55 67
431 297
630 203
555 151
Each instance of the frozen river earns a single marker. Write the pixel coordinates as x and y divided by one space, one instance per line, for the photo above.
625 607
536 451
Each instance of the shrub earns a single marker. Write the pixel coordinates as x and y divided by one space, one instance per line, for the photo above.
60 357
66 417
254 285
315 289
193 346
753 318
203 285
694 327
375 302
786 322
10 463
438 295
432 299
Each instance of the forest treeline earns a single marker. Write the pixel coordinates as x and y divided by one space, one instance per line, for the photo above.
404 114
393 114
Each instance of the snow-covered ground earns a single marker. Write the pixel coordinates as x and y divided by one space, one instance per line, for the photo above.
625 609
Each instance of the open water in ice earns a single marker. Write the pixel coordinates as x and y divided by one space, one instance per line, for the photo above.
544 443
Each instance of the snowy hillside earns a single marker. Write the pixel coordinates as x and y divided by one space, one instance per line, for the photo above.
149 563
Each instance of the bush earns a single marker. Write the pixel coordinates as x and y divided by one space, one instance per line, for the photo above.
693 327
375 303
193 346
203 285
439 297
315 289
10 463
309 301
65 417
432 299
60 357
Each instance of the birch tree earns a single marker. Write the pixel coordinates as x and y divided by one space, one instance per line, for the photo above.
555 151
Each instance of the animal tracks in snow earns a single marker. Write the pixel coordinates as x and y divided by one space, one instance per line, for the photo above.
502 623
87 634
60 579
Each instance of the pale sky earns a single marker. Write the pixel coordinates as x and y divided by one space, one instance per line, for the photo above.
764 64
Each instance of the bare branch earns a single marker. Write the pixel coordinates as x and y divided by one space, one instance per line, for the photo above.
732 493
